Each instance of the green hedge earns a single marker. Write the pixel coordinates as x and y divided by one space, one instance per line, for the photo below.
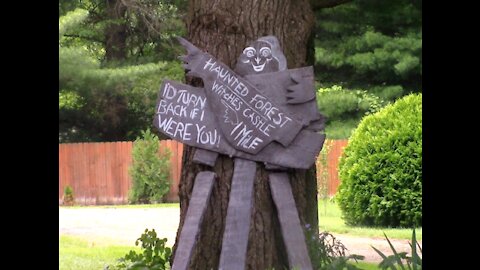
381 168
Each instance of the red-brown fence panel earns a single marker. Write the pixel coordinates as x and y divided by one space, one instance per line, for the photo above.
333 157
98 172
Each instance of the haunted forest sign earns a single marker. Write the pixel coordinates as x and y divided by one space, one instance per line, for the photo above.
260 118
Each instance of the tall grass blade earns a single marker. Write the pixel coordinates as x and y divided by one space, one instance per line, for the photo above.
416 260
419 247
414 250
398 258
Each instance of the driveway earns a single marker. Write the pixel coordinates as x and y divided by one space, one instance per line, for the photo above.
120 226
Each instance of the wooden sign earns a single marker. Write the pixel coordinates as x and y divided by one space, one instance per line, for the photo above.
183 113
293 90
248 119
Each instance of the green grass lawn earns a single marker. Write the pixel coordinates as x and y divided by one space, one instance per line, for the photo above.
367 266
79 254
330 219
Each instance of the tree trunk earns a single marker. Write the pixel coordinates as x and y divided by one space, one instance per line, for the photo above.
224 28
116 31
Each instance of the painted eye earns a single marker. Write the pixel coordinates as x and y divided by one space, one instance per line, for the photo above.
265 52
249 51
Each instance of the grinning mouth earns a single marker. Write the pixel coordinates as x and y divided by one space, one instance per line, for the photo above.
259 67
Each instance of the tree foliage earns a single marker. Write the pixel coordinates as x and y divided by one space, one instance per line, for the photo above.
111 100
372 45
114 55
344 108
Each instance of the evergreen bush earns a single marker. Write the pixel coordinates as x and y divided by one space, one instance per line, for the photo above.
381 168
68 197
150 170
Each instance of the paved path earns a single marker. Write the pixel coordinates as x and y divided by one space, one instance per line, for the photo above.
123 226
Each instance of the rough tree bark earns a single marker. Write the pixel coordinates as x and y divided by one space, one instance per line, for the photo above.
116 32
224 28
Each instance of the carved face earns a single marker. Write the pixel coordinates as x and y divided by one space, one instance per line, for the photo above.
257 58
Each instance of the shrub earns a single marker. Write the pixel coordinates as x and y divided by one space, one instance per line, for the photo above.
68 198
150 170
328 253
155 255
381 168
344 108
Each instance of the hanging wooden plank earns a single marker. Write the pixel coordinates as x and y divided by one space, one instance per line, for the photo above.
237 223
205 157
292 231
202 189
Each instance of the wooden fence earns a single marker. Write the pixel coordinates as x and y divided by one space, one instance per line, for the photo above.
98 172
336 150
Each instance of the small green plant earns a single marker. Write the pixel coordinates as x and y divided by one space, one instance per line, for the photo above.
155 255
328 253
68 198
396 260
150 170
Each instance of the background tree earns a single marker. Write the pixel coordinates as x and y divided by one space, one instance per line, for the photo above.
369 45
224 28
364 45
113 57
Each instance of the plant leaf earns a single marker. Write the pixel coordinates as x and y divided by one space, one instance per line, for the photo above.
379 253
356 257
397 256
388 262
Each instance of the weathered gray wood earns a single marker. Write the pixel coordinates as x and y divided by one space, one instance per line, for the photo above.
272 167
292 89
293 235
237 224
248 119
202 190
205 157
183 114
